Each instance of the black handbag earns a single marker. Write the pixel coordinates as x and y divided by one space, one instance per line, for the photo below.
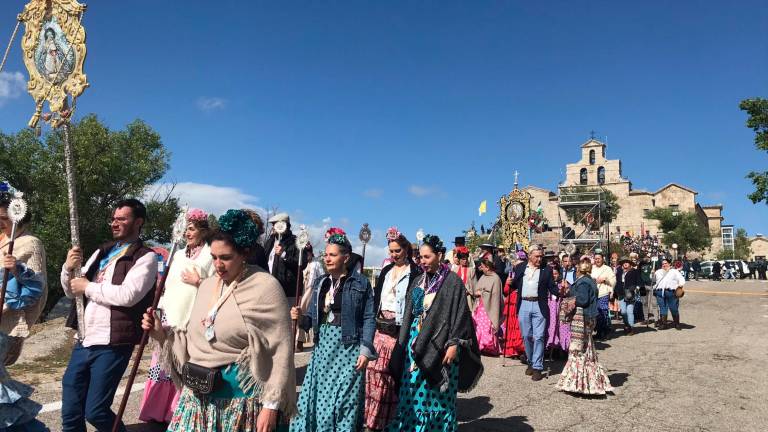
387 326
200 379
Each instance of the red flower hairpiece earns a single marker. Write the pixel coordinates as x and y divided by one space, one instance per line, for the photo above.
334 231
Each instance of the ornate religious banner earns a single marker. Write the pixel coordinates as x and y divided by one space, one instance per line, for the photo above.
54 53
514 210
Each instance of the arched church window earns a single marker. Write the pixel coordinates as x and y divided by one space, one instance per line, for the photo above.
601 175
583 176
591 157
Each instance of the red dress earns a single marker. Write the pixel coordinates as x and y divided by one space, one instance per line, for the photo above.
512 345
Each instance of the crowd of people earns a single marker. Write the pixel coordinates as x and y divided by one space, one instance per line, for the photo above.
240 299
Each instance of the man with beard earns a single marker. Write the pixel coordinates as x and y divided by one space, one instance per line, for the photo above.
118 283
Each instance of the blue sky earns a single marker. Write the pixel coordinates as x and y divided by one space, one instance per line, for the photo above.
411 113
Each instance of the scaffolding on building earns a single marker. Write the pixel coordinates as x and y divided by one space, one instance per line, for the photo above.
593 203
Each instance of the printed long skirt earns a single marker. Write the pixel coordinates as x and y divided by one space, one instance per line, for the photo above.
422 408
559 331
227 409
513 340
603 320
160 396
583 374
333 391
380 387
486 337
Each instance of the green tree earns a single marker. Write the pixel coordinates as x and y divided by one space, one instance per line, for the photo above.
741 247
110 165
757 109
683 228
588 215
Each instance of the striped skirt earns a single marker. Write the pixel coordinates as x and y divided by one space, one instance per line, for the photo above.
380 388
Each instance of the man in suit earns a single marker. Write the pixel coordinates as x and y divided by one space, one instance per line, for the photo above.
534 283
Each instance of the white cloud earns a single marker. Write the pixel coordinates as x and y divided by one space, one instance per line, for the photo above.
422 191
211 198
211 103
373 193
12 85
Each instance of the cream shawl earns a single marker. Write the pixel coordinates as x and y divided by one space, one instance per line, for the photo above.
179 297
252 329
606 272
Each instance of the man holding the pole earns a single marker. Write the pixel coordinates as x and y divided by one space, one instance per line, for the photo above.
118 284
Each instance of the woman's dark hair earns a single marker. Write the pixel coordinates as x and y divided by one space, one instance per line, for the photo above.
404 244
5 202
227 238
434 243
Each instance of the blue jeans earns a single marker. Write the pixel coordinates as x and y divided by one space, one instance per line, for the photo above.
533 327
628 312
667 302
89 386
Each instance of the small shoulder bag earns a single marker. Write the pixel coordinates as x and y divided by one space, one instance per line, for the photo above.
200 379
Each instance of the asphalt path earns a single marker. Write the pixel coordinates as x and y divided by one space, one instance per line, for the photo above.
710 376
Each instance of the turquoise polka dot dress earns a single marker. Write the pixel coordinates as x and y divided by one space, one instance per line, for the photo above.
422 408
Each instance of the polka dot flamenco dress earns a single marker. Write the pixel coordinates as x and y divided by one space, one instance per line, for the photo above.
332 395
422 408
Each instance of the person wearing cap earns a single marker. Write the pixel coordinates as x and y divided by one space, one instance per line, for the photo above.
534 283
626 292
283 258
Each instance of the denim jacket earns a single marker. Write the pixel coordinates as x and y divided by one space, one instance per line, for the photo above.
358 322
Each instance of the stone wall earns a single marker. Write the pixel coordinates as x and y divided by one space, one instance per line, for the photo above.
759 246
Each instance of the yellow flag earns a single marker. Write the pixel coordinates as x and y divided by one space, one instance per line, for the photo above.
483 208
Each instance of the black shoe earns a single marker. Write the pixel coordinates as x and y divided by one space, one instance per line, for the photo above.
529 371
536 376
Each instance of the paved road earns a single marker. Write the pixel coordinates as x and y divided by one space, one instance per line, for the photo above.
711 376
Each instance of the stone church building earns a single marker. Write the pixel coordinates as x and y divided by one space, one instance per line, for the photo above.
595 170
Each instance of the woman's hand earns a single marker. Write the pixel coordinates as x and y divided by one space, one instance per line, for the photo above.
267 420
151 321
295 313
9 264
362 363
191 277
450 355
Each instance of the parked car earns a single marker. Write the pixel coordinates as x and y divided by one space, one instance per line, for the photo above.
706 270
741 268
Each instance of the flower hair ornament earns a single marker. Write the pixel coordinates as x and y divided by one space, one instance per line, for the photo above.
435 242
197 215
462 250
393 234
240 226
336 236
